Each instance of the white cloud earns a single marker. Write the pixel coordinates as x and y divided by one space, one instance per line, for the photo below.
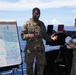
54 21
28 4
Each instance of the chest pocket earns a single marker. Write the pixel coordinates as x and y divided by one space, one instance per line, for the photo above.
34 29
30 29
37 31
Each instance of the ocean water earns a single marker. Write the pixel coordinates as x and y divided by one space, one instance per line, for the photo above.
47 48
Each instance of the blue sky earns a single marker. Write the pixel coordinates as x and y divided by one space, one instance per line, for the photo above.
52 11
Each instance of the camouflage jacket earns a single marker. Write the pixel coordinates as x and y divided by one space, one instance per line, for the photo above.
39 31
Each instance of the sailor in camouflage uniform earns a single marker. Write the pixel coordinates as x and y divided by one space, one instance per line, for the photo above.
34 31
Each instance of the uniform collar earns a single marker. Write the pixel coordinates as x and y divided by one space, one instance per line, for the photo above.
33 22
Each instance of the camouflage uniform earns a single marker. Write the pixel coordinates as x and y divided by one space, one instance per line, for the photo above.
34 47
73 69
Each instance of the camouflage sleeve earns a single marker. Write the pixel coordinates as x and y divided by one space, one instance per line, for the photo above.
24 32
44 34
